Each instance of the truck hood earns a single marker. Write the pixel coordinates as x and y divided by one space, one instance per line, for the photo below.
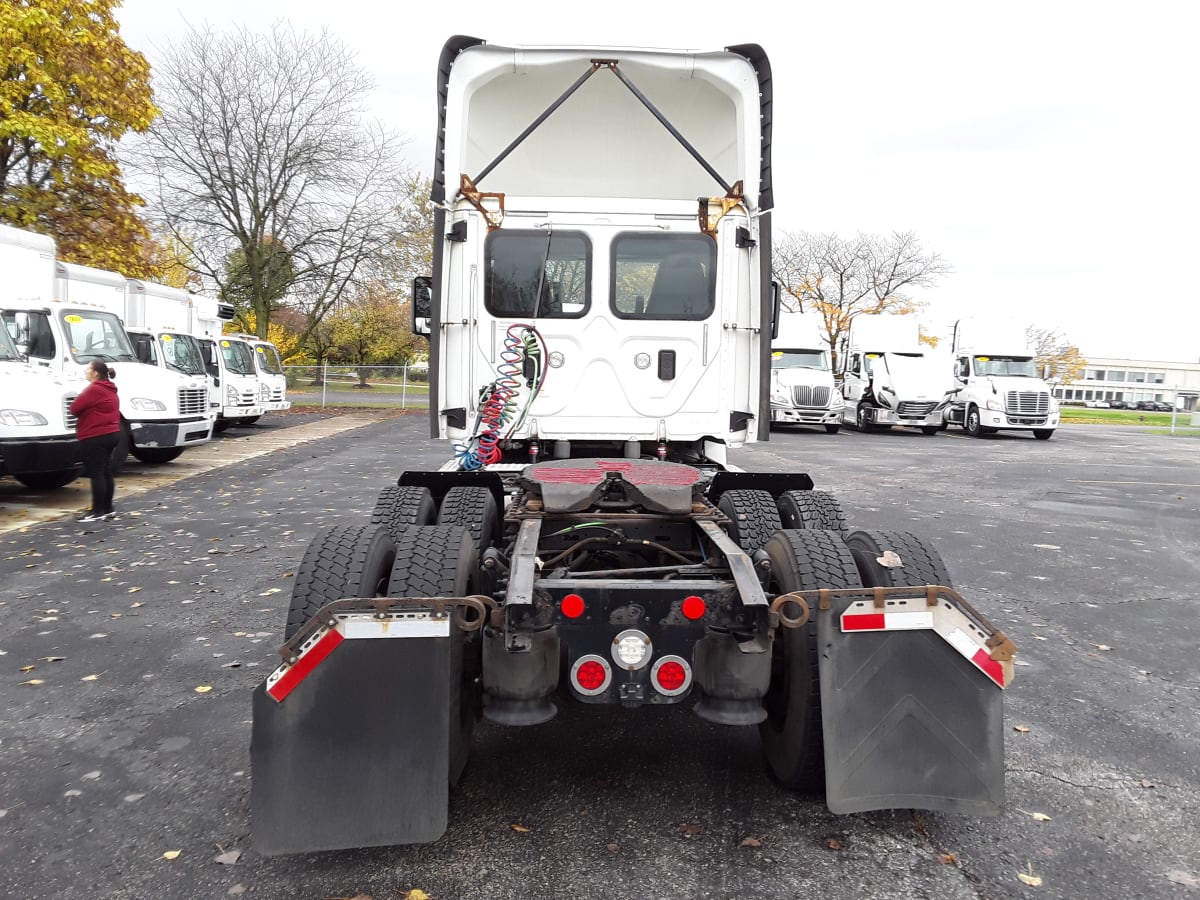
799 375
35 389
911 378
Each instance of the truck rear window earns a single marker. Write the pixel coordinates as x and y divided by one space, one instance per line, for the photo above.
537 274
669 276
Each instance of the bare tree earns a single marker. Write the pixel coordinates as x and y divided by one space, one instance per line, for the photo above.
263 142
842 279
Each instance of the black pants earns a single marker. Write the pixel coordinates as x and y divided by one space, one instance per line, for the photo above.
97 465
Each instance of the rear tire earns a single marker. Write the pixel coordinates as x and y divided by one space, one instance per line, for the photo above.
400 507
474 508
46 481
832 429
157 455
1043 434
921 564
441 561
791 734
354 561
930 429
753 517
812 510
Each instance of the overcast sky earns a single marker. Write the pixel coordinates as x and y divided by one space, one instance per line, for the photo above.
1048 150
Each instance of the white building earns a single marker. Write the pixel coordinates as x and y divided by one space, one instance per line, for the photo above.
1131 380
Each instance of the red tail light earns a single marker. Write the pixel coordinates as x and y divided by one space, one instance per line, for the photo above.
671 675
694 607
572 606
591 675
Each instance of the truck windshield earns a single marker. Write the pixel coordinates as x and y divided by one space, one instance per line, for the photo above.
663 276
268 359
93 334
181 352
540 274
800 359
1018 366
237 356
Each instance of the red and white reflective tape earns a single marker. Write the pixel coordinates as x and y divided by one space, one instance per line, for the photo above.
349 627
954 626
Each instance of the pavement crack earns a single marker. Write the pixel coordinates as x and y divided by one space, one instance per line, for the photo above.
1050 775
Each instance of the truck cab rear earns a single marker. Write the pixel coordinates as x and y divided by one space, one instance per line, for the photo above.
598 318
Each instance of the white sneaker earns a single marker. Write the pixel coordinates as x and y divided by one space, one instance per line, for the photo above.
91 517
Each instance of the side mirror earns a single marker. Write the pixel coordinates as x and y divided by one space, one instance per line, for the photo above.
1045 373
776 302
422 304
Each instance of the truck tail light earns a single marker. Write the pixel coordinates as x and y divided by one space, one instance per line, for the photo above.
591 675
671 676
694 607
572 606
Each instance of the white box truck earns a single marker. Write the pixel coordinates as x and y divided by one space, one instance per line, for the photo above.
997 384
162 412
269 368
889 378
37 431
239 394
598 339
158 321
802 388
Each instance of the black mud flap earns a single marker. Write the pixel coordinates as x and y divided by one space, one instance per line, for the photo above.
355 754
909 721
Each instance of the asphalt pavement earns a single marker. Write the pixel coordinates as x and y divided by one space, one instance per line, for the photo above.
130 652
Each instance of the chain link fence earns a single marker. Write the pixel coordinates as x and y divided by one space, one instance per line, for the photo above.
400 387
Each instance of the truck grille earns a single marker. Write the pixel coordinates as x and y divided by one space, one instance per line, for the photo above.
276 394
802 395
1027 403
67 417
915 410
193 401
247 397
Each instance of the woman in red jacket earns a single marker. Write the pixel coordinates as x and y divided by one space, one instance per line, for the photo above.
98 429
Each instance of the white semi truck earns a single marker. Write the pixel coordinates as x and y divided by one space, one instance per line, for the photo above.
802 387
37 431
599 340
162 413
889 378
997 384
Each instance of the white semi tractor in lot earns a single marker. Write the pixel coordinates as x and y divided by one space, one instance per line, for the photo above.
997 384
599 320
74 322
889 377
802 387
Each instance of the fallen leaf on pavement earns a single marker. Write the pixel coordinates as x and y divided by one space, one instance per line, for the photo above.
947 858
1102 646
689 829
1023 729
228 858
1145 783
1036 816
270 591
203 689
750 842
416 894
27 668
834 843
34 682
613 848
51 658
133 590
520 828
135 605
171 854
90 677
1030 879
890 559
1187 879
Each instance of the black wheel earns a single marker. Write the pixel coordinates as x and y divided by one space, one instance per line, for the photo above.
860 419
156 455
399 507
354 561
918 562
791 734
832 429
474 508
220 425
441 561
811 509
248 420
753 517
1043 434
46 481
120 453
930 429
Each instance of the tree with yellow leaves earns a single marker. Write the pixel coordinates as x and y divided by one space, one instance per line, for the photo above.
70 88
1057 354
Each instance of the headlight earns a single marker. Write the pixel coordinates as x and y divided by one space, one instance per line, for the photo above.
231 395
781 398
147 404
995 405
22 417
836 401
